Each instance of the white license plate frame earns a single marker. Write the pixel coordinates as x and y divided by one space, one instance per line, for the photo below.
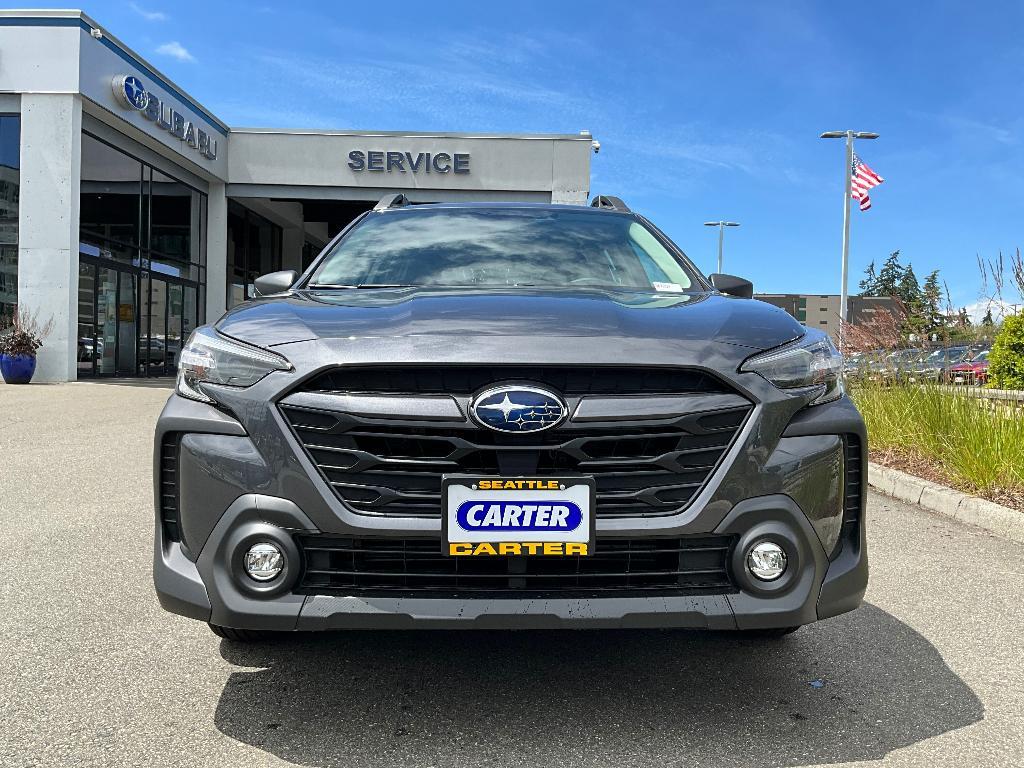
563 496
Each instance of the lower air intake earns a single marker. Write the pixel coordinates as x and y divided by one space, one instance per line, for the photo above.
344 565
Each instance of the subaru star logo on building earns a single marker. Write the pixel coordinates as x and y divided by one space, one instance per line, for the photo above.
131 92
518 409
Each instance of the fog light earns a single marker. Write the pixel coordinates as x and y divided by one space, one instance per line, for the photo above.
766 560
263 562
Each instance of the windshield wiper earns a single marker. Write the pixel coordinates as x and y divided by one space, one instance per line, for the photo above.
361 285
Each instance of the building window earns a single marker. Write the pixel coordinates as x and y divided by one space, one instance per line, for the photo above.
254 249
142 264
10 183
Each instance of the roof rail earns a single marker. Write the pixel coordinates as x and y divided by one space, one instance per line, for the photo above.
609 203
395 200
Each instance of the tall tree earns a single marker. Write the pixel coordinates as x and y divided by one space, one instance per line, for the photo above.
908 291
870 281
987 319
889 276
931 296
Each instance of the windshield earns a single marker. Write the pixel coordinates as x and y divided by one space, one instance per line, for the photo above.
502 248
941 355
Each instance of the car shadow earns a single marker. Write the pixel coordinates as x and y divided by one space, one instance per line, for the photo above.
853 688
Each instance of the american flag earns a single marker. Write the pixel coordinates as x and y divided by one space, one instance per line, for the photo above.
863 180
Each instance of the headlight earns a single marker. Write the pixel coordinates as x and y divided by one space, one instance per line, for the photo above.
215 359
811 361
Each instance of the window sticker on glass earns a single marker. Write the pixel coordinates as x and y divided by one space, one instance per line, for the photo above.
668 287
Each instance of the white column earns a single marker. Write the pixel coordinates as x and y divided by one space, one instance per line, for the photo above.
51 169
216 251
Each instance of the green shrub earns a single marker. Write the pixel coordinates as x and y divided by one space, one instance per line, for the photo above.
1006 361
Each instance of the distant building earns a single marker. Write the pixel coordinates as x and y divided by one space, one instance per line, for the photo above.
822 310
861 309
813 310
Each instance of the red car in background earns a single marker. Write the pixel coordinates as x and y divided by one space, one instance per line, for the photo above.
974 371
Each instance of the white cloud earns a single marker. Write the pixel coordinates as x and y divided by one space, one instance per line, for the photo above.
148 15
1000 309
176 50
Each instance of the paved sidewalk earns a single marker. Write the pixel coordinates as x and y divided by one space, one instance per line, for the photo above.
927 673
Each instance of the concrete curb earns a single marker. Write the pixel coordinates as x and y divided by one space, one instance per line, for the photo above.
993 517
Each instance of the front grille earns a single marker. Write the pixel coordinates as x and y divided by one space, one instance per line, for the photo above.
345 565
169 446
381 468
468 379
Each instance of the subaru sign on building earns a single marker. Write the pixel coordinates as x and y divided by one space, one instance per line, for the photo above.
132 214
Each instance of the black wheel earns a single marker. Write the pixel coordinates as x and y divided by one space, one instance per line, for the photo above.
769 634
239 635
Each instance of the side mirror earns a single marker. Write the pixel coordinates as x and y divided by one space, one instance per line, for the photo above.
276 282
732 285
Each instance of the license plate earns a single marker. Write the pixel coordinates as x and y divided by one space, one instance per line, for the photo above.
958 379
487 516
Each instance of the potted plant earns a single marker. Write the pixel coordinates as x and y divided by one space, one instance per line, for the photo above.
21 336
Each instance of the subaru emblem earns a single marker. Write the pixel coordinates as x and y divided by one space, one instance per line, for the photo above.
131 92
518 409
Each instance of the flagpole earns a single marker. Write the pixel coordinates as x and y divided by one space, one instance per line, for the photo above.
847 196
844 289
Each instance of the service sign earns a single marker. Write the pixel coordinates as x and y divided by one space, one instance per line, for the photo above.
534 516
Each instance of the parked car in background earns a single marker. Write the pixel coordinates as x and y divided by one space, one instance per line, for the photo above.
152 352
89 349
973 372
935 367
851 364
859 365
898 365
910 363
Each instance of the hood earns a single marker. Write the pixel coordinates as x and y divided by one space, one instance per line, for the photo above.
408 312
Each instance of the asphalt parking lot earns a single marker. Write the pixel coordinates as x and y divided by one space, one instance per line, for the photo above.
930 672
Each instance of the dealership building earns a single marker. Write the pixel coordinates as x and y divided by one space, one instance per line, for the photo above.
129 213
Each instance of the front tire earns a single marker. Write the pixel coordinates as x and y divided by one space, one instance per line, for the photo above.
239 635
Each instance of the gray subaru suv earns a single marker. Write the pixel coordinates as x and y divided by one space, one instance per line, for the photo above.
508 416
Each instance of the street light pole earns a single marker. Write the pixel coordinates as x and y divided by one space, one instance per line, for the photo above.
721 236
847 196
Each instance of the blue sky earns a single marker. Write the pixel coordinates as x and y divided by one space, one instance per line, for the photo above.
703 110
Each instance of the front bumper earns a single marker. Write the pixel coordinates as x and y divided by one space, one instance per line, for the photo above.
234 487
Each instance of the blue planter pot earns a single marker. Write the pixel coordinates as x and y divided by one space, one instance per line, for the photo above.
17 369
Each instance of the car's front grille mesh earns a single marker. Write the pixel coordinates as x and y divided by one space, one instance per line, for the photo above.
169 446
396 470
346 565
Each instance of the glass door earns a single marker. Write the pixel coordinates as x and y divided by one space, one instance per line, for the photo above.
87 342
153 346
172 344
106 321
127 323
169 316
